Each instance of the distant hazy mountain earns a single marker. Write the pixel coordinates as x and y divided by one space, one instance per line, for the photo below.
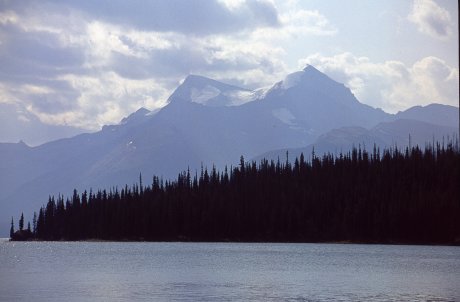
318 103
205 122
399 133
18 122
437 114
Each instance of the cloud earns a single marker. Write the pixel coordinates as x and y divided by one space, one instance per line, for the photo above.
89 63
392 85
298 22
295 24
199 17
103 99
431 19
86 63
17 123
8 17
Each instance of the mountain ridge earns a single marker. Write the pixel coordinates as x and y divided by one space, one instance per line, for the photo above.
398 133
214 124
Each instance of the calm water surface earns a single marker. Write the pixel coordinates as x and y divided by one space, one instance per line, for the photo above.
109 271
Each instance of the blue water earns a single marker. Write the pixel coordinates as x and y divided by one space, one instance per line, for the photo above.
110 271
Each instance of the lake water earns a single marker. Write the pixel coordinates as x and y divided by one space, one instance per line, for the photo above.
110 271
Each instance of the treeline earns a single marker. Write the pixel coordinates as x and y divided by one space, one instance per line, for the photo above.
397 196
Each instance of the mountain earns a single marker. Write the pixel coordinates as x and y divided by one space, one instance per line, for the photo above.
318 103
206 122
437 114
208 92
399 133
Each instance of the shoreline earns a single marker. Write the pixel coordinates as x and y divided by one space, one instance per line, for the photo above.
344 242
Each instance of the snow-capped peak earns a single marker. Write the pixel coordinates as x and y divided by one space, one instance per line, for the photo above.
309 75
292 80
193 80
310 68
208 92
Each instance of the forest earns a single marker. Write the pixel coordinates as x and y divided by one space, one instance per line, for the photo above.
390 196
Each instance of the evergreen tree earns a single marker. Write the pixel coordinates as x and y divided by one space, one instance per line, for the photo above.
141 187
12 228
34 223
41 228
21 222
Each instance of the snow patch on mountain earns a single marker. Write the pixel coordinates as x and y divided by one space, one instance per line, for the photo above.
153 112
201 96
211 93
131 146
261 93
212 96
240 97
284 115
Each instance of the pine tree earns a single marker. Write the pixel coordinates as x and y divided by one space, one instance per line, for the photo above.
41 230
34 223
12 228
21 222
141 187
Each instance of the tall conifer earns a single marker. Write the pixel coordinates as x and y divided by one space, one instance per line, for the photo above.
12 228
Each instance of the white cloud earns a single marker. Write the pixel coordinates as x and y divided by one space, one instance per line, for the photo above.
102 40
232 4
34 89
431 19
296 24
199 17
80 68
306 22
392 85
104 99
8 17
6 94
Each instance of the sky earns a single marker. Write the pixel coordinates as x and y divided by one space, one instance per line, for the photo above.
85 63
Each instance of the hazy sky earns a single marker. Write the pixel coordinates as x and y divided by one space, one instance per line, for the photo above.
87 63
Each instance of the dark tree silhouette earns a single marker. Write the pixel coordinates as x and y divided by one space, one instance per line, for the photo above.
21 222
34 223
393 196
12 228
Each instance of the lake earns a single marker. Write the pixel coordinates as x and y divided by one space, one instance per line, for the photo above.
143 271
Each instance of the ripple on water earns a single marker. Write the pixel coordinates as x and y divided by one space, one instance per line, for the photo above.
111 271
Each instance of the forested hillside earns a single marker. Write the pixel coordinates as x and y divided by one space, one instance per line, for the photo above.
393 196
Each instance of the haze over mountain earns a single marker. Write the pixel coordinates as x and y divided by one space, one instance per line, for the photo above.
206 122
16 121
398 133
438 114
